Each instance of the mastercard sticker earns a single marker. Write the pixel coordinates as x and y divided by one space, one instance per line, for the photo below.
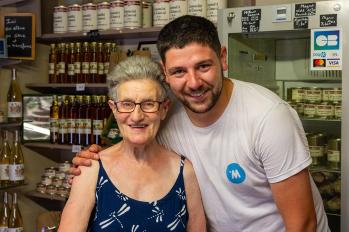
319 63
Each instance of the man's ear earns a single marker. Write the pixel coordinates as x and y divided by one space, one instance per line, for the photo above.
223 58
164 71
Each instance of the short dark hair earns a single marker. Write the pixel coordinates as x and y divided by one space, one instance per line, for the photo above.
185 30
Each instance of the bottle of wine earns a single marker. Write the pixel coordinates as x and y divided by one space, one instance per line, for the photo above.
4 214
15 222
16 167
5 161
14 100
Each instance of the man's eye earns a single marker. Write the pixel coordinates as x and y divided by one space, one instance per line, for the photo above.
204 66
178 72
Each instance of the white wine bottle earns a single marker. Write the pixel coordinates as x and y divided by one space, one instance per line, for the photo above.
15 222
16 167
5 161
4 214
14 100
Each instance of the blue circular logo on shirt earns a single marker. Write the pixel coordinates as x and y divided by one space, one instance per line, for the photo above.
235 173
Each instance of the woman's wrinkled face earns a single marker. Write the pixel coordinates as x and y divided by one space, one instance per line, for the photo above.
139 127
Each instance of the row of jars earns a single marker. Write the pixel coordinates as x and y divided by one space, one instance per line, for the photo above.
73 63
321 110
324 150
55 180
78 119
314 94
329 185
129 14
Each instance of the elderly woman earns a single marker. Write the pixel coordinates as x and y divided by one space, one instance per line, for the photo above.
137 185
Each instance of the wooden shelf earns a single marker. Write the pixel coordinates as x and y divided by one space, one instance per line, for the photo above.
8 62
55 152
47 201
67 88
5 125
144 33
10 2
11 186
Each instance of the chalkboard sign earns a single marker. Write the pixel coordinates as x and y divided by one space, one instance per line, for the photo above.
305 9
20 35
250 20
300 23
328 20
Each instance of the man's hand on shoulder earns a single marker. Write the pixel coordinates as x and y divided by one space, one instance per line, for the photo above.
83 158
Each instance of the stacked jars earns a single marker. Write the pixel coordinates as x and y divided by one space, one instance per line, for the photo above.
119 14
315 102
55 181
325 151
80 62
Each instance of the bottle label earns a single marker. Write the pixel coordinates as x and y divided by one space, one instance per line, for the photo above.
88 126
80 126
100 68
71 125
85 67
53 125
4 172
93 67
61 67
62 126
77 67
106 67
16 172
97 127
19 229
14 109
51 70
71 69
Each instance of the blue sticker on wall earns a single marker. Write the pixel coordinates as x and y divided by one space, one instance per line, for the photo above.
235 173
326 40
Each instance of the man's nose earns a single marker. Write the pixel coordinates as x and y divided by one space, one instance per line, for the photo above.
137 114
193 80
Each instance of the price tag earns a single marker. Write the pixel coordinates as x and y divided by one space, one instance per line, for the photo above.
76 148
80 87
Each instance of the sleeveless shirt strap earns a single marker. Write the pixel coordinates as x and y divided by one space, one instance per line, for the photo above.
182 164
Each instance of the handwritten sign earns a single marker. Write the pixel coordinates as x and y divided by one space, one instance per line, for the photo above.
250 20
20 35
305 9
300 23
328 20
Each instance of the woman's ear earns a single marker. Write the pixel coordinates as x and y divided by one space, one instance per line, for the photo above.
166 104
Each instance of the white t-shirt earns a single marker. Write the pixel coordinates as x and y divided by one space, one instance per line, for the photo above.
258 140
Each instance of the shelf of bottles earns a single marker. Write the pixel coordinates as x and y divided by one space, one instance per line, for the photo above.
10 215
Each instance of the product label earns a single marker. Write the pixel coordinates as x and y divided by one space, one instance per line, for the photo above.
14 109
71 126
77 67
53 125
16 172
97 127
161 13
85 67
333 156
62 126
80 126
51 70
88 126
316 151
100 68
117 17
4 172
93 67
106 67
61 67
71 69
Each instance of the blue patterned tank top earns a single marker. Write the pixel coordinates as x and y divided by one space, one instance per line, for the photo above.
115 211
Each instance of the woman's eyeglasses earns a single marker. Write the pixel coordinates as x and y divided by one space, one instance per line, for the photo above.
129 106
